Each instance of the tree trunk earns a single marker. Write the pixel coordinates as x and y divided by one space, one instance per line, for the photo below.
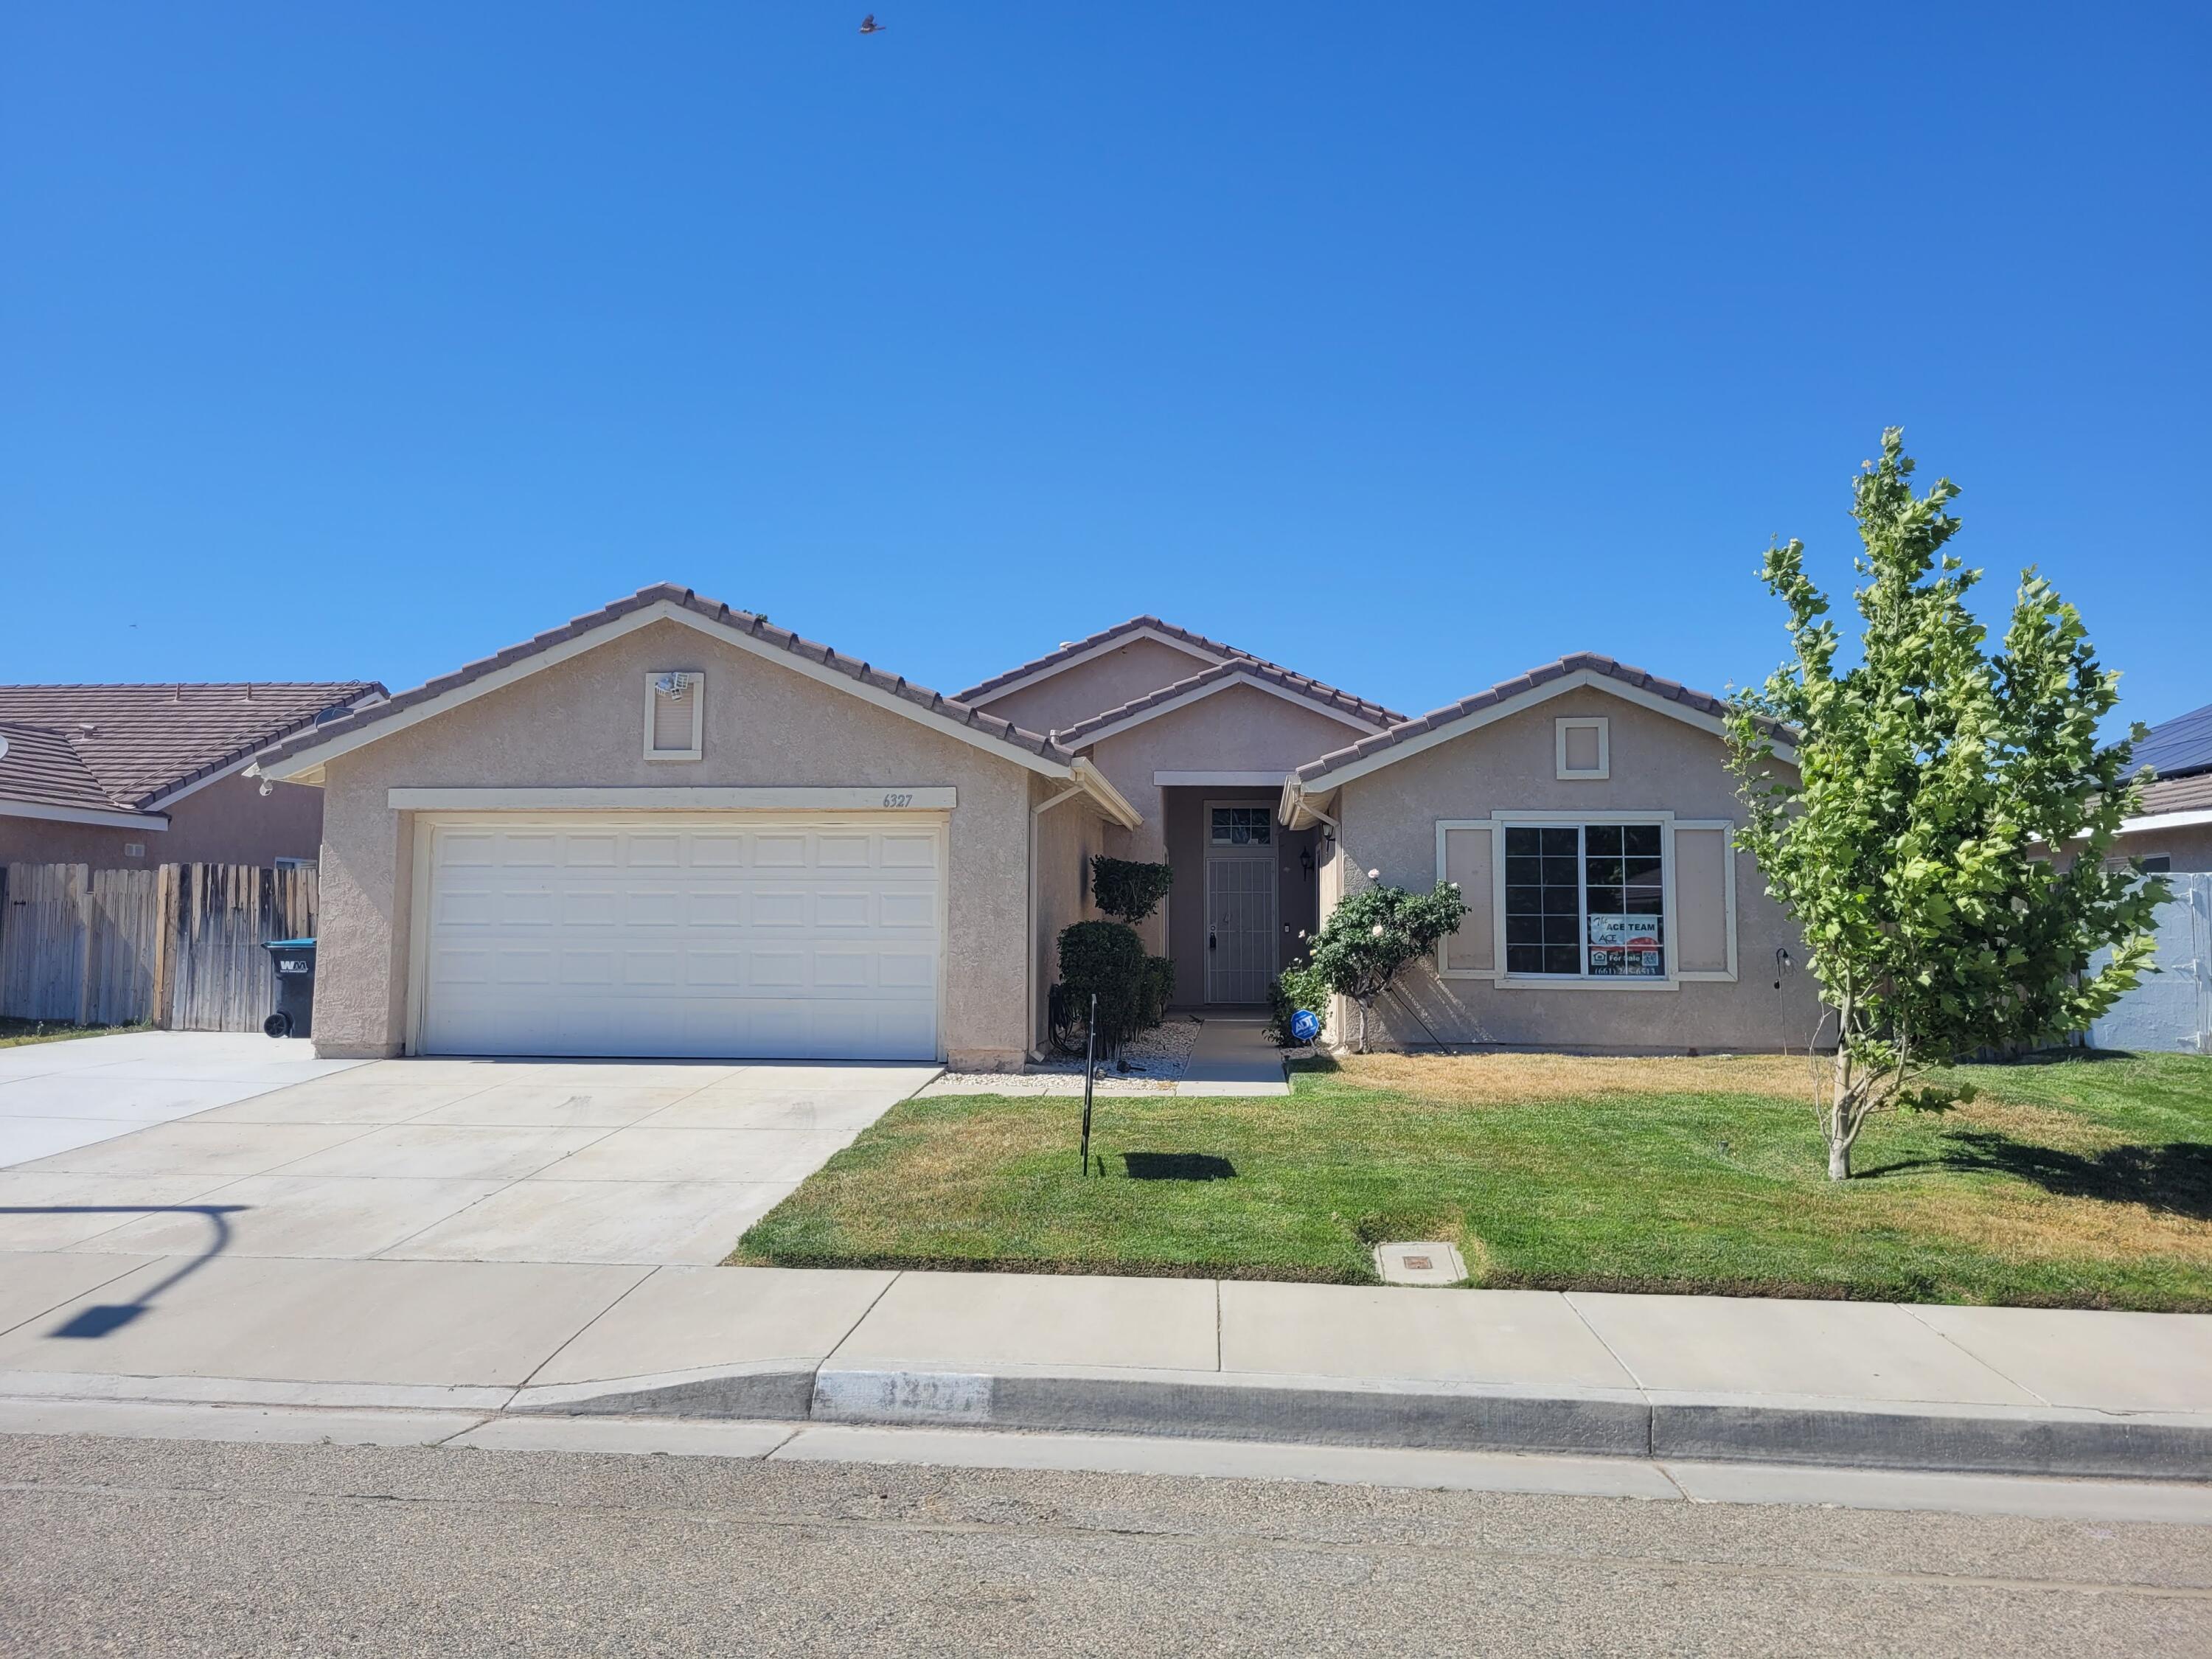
1362 1028
1841 1128
1840 1158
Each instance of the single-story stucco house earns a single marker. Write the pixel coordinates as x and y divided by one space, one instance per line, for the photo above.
671 828
121 777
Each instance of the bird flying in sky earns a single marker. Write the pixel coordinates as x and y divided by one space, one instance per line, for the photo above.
868 24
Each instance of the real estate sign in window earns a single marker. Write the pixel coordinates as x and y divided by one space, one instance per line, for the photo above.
1586 900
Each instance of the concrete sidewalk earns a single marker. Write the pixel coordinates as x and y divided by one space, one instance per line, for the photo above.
1869 1385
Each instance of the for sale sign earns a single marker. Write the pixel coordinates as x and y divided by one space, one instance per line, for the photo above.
1627 947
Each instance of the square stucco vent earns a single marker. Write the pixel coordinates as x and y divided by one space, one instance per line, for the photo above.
675 714
1584 745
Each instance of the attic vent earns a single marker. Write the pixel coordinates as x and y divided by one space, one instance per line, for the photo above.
675 711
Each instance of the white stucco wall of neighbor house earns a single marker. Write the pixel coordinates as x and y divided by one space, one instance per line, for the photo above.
1657 765
578 724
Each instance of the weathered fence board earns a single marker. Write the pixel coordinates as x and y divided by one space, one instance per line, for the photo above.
179 946
223 916
43 933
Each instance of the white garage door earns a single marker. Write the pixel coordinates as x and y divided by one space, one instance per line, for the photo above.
724 935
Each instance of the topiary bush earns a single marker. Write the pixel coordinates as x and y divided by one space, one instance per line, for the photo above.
1127 889
1108 958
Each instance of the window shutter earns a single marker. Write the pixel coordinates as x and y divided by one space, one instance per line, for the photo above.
1467 861
1704 922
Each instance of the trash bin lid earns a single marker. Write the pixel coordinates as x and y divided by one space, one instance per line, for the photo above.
287 945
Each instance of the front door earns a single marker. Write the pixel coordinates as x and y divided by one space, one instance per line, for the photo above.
1240 910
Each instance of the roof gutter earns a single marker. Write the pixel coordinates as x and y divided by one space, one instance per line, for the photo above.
31 809
1093 783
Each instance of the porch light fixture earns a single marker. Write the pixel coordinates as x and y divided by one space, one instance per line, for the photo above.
1305 859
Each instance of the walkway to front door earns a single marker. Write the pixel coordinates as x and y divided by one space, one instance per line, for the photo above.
1240 922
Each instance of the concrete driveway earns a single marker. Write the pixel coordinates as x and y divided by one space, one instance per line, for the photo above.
452 1160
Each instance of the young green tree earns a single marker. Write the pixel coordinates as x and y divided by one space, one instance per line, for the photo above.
1925 779
1373 933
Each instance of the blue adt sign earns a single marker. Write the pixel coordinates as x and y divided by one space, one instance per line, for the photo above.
1305 1025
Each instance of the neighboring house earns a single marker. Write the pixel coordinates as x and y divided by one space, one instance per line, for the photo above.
124 776
1587 812
669 827
2172 830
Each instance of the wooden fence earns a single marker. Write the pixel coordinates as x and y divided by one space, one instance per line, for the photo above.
177 946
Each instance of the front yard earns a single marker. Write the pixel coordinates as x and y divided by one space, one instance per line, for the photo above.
2080 1182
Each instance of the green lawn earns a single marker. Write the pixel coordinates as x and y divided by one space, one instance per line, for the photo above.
14 1033
2084 1182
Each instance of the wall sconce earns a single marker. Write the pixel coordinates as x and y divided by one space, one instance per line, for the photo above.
1305 859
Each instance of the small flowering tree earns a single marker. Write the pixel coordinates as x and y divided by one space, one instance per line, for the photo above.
1372 934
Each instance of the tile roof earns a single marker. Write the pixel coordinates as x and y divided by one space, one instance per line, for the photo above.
2179 746
134 744
1313 690
997 683
2189 793
1703 702
40 766
951 710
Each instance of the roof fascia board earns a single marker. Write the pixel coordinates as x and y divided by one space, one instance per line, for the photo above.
1580 679
306 764
1218 780
31 809
2166 821
1113 642
1114 728
1100 789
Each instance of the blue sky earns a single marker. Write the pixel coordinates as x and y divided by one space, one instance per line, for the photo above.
1410 346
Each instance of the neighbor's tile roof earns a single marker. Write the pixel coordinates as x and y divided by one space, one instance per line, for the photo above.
1313 690
997 683
130 745
2189 794
952 711
1703 701
38 766
2179 746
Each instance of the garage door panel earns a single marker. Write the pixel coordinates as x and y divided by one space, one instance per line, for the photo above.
701 936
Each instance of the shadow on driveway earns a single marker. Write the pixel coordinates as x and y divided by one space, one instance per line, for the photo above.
101 1318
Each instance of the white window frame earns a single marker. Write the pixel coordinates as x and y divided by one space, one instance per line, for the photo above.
1727 827
1585 981
696 683
1602 726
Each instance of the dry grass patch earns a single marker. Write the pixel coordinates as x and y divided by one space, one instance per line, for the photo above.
1521 1080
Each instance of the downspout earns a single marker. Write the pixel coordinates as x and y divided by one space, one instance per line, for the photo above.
1029 953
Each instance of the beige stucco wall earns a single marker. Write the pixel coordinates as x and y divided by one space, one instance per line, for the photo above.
228 822
2189 845
578 723
1068 836
1122 675
1658 764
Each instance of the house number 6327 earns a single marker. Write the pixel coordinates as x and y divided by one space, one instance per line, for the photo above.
896 800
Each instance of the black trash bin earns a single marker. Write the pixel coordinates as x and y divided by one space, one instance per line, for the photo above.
294 960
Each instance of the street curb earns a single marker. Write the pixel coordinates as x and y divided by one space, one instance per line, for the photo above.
1429 1415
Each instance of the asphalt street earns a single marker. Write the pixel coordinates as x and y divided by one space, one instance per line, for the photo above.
183 1547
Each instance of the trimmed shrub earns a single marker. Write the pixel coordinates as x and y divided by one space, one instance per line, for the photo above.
1106 958
1127 889
1159 986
